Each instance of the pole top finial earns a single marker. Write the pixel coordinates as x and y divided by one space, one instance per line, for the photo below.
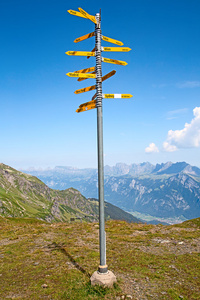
98 18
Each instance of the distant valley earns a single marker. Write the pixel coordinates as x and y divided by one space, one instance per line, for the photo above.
25 196
163 191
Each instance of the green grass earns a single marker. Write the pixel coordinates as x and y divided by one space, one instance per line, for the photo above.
63 256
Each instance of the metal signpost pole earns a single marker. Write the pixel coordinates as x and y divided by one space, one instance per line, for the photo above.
102 240
103 276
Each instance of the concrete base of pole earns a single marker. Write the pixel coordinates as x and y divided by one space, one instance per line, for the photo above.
104 279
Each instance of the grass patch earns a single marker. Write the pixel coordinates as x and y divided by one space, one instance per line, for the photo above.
39 260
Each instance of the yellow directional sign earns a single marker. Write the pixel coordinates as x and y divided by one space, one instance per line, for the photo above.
108 75
93 50
80 53
107 39
116 49
93 87
91 18
114 61
87 89
86 70
81 75
109 96
92 102
84 37
86 106
76 13
94 97
81 78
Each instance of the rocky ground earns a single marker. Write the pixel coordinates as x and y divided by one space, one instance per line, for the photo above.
55 261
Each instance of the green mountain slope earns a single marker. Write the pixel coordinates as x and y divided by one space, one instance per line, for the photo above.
23 195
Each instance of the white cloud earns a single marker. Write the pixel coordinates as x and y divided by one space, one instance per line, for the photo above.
152 148
188 84
169 148
188 137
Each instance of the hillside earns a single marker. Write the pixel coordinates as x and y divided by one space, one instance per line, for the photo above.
168 191
39 260
23 195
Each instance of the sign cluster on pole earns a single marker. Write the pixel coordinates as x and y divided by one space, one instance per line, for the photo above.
96 102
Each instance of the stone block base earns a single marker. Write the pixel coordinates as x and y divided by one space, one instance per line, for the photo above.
105 279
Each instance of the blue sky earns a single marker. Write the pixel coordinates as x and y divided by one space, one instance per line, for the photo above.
39 126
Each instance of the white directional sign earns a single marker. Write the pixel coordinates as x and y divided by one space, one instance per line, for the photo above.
123 96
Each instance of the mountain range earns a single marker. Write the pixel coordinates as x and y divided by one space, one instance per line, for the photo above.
25 196
167 190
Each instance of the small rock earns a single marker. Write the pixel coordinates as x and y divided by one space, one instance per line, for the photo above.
173 267
36 263
165 242
44 286
181 243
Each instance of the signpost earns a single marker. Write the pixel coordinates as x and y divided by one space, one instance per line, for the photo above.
103 276
87 70
84 37
81 79
116 49
80 53
81 75
107 39
110 96
114 61
87 89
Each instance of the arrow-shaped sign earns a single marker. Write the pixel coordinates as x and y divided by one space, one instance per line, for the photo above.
123 96
92 102
114 61
81 79
91 69
80 53
76 13
107 39
84 37
86 106
115 49
93 87
108 75
81 75
84 13
93 50
87 89
94 97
